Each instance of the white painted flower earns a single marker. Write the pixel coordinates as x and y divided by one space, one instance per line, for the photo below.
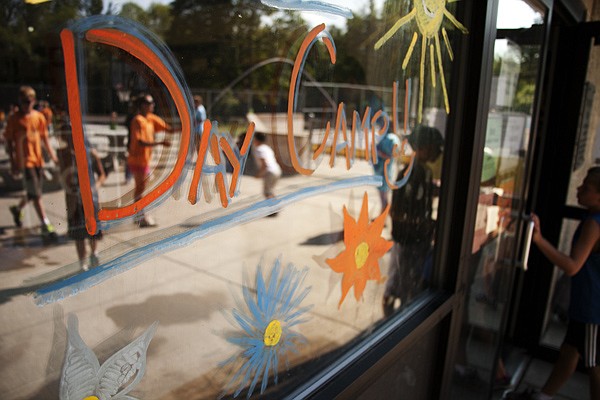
84 379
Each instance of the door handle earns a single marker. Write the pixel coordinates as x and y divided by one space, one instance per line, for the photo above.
527 245
499 239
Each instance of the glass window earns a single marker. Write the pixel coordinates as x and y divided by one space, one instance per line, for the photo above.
208 197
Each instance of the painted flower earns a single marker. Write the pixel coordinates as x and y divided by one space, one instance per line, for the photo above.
364 246
266 318
84 378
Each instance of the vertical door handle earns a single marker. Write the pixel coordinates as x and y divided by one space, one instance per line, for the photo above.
527 247
499 239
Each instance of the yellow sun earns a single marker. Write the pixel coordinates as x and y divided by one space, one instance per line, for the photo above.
429 15
359 261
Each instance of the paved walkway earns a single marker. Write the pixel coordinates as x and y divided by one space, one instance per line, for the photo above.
188 289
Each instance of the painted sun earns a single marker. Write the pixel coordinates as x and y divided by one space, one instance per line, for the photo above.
429 16
364 246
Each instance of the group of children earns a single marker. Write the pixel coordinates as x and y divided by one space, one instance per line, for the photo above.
26 135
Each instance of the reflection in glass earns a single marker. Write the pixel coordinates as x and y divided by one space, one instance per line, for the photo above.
191 269
483 364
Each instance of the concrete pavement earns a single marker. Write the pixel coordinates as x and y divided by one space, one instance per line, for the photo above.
188 290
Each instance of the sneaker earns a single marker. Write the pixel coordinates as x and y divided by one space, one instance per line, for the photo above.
48 231
147 222
94 261
17 215
389 303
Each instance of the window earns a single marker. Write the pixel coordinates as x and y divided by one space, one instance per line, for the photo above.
264 178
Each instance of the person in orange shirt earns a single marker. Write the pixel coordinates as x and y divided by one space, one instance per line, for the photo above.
26 132
47 111
143 127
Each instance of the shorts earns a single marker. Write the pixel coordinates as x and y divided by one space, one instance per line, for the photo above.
76 220
143 170
584 337
269 182
406 274
32 181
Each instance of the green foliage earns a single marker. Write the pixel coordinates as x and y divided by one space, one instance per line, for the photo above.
237 44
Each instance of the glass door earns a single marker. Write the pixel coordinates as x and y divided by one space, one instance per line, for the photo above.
483 367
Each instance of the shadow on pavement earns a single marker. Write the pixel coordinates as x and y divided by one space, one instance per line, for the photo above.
324 239
180 308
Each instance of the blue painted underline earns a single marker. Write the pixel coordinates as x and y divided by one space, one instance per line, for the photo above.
82 281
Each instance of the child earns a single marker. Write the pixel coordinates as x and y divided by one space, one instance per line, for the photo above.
412 222
583 266
75 215
26 132
143 127
268 168
385 151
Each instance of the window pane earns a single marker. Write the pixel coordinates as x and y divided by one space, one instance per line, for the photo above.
240 194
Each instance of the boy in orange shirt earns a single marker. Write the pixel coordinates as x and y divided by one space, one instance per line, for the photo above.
26 132
48 114
143 126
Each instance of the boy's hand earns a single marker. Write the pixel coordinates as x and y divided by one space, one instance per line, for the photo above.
537 232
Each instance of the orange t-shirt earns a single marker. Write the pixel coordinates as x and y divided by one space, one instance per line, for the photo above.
47 111
142 129
25 132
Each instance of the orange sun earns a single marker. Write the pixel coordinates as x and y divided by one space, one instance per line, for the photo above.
359 262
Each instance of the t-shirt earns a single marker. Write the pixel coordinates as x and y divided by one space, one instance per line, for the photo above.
26 132
585 286
385 150
412 206
142 129
200 117
264 152
47 112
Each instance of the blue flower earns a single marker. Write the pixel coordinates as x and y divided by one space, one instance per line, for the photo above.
266 318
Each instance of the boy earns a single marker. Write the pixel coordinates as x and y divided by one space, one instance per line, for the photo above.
75 215
385 151
142 129
26 132
583 266
412 222
268 168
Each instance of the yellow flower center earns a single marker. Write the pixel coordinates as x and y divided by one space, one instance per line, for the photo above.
361 254
273 333
91 398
